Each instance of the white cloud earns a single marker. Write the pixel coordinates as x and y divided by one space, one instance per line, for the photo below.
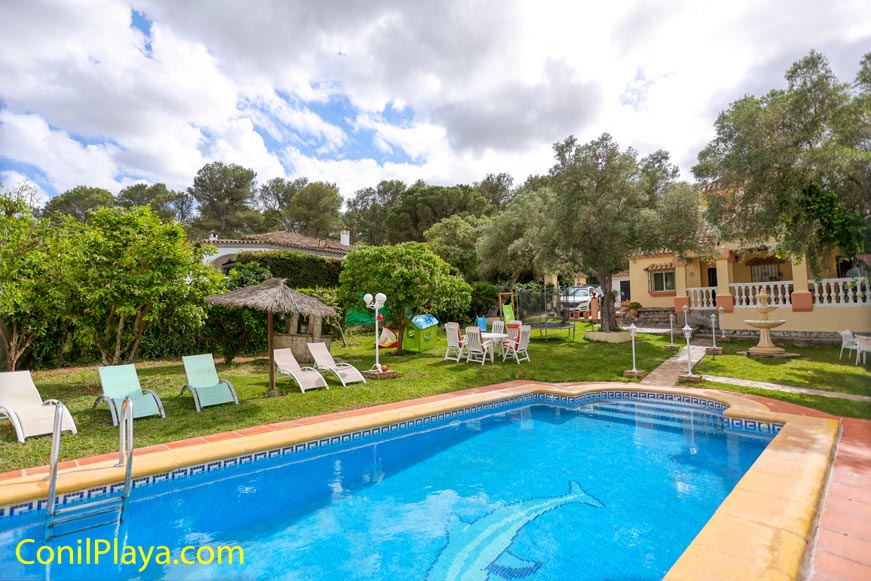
489 84
13 180
28 139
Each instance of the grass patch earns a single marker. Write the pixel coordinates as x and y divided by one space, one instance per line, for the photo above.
830 405
419 375
817 368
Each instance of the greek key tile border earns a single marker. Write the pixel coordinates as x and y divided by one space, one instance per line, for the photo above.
745 425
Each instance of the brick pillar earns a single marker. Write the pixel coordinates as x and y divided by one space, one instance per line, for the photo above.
802 299
725 276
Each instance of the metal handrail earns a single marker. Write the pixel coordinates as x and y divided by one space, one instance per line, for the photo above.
55 454
125 432
125 458
126 444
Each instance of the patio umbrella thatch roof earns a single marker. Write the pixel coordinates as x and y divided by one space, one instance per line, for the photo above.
273 296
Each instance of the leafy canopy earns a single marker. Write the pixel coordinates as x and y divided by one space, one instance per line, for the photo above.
795 164
124 269
27 270
608 204
411 276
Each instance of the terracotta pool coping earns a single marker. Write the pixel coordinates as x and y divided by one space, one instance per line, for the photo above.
761 531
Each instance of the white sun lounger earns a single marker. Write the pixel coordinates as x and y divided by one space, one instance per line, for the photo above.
305 377
21 403
346 372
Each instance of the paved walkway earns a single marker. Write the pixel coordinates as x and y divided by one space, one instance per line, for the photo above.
787 388
667 373
841 549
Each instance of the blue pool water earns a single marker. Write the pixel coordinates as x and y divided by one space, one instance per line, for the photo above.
612 490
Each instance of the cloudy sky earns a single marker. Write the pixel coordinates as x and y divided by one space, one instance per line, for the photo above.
111 92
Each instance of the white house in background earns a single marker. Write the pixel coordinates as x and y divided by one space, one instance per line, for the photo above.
228 249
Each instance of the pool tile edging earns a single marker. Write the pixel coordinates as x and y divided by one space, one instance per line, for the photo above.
766 546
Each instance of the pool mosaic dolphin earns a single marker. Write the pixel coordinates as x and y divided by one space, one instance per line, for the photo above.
477 550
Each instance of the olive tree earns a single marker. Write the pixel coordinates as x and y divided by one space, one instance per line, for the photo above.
608 204
795 164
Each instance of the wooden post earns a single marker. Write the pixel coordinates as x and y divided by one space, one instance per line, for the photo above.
271 356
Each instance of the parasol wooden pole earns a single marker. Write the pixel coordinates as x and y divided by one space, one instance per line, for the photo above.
271 356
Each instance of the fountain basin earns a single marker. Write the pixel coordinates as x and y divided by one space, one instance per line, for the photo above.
764 323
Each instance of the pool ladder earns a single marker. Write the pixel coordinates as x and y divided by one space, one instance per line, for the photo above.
57 517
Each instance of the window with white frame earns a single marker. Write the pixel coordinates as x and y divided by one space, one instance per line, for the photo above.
662 280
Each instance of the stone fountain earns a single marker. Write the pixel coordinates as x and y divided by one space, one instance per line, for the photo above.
766 347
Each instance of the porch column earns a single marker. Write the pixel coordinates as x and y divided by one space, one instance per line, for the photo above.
725 276
680 285
802 299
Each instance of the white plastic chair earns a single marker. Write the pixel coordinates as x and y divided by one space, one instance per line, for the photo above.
863 346
455 342
848 342
305 377
518 350
513 338
498 327
21 403
476 349
346 372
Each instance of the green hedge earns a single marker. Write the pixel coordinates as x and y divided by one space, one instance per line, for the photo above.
300 270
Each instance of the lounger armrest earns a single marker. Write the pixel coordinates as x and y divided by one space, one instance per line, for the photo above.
9 413
156 400
108 401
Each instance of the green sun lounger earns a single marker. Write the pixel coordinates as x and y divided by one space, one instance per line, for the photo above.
118 382
204 384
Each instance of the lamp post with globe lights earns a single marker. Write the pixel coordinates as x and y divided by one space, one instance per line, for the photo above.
375 303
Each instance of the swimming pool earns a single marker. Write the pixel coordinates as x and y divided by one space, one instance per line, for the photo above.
539 487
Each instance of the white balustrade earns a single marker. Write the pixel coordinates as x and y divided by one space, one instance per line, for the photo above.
702 297
779 293
840 292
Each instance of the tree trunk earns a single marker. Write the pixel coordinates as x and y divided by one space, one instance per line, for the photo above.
400 332
609 317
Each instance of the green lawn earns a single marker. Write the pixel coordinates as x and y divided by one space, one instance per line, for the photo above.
419 375
818 368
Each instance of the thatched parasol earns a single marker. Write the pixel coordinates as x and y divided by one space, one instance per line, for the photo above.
273 296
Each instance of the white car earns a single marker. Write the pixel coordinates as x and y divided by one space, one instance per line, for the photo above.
576 299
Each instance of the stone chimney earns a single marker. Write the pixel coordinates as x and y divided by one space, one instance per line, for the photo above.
346 236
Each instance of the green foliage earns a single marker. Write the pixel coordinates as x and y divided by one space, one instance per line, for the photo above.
510 244
484 295
454 240
604 203
225 197
125 269
793 165
368 211
315 210
412 277
634 305
276 198
300 270
421 206
158 197
78 202
231 331
27 272
498 189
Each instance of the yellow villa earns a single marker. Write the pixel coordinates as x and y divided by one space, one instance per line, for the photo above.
731 283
